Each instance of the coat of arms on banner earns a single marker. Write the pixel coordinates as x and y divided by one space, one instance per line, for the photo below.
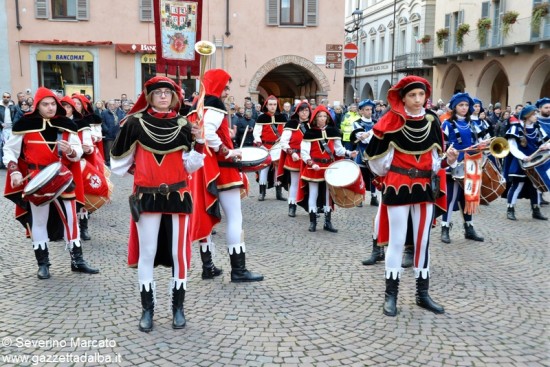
178 26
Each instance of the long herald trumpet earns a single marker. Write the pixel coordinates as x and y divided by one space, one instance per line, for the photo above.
499 147
205 49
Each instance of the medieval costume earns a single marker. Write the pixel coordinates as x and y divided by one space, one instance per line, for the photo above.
462 133
151 145
223 181
289 168
267 133
38 140
405 149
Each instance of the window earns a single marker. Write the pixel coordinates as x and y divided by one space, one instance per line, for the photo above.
372 51
381 48
62 9
146 10
292 12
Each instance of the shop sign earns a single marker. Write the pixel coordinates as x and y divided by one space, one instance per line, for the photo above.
64 56
149 59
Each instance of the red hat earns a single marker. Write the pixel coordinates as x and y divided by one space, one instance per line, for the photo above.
321 108
152 84
215 81
69 100
87 107
42 93
270 97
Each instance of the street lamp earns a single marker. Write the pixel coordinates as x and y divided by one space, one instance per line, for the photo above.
357 19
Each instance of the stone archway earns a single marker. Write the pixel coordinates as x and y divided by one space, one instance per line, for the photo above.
317 85
367 92
538 80
384 91
453 82
493 84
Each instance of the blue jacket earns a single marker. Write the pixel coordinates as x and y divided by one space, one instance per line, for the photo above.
111 126
15 113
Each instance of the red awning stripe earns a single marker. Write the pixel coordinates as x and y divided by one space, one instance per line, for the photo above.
68 43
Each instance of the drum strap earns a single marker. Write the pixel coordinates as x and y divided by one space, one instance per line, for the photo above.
324 143
274 127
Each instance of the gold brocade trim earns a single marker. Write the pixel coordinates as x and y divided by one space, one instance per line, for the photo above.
151 150
384 153
231 185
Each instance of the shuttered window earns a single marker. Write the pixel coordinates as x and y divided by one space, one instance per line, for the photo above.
62 9
292 12
82 10
146 10
41 9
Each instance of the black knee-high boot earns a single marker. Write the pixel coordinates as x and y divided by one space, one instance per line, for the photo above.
78 263
292 210
209 270
43 260
262 193
328 224
83 224
279 193
312 222
377 254
147 306
390 297
423 299
178 315
239 273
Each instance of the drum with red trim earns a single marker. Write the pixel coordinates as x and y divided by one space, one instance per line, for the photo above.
97 186
345 183
254 159
493 183
538 170
48 184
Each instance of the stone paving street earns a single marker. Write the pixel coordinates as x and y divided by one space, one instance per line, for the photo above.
318 305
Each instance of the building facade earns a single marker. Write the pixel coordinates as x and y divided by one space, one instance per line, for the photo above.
496 50
393 39
103 49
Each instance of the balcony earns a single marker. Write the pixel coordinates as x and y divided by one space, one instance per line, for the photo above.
411 62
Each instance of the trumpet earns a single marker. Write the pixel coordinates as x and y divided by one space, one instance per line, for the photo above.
499 147
205 49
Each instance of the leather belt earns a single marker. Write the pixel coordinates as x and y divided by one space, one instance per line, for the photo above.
162 189
411 172
322 160
36 166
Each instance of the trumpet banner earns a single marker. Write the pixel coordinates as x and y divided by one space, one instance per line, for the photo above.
178 26
472 182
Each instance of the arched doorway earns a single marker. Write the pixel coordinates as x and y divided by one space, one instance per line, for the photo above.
538 80
384 91
289 77
493 84
349 93
453 82
367 92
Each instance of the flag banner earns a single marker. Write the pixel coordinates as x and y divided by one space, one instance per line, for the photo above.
177 29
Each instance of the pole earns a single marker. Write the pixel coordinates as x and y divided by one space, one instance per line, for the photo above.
393 40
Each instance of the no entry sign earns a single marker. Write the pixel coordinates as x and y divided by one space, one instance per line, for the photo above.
350 50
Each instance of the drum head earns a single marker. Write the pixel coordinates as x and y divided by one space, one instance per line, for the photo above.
539 158
42 178
253 154
342 173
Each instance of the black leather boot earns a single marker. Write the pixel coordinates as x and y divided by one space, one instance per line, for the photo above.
279 193
423 299
377 254
43 260
78 263
470 233
239 273
312 222
390 297
262 193
445 234
84 234
148 308
408 256
373 200
328 225
511 213
292 210
537 213
178 315
209 270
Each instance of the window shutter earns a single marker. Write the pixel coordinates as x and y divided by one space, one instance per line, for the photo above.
272 12
485 6
461 17
41 9
311 13
146 10
82 10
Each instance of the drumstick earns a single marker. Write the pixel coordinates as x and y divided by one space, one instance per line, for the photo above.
46 142
244 137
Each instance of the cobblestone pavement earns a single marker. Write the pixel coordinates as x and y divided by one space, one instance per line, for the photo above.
317 305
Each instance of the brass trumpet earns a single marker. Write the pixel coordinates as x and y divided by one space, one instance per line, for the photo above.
205 49
499 147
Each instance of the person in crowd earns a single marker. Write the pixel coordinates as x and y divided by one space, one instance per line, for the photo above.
346 126
525 138
291 140
9 114
110 127
155 144
245 124
320 146
45 141
406 150
223 181
338 116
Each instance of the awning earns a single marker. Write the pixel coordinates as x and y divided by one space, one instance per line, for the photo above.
132 48
68 43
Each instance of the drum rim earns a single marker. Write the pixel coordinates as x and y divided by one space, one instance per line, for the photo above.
59 192
32 190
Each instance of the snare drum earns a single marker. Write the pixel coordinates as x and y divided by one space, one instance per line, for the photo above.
345 183
48 184
493 183
254 159
275 152
538 170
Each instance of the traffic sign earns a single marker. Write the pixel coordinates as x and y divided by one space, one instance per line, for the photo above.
334 57
334 65
334 47
350 50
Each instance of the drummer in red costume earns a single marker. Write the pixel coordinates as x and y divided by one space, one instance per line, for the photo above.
220 169
267 132
155 144
291 139
321 146
41 138
405 150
